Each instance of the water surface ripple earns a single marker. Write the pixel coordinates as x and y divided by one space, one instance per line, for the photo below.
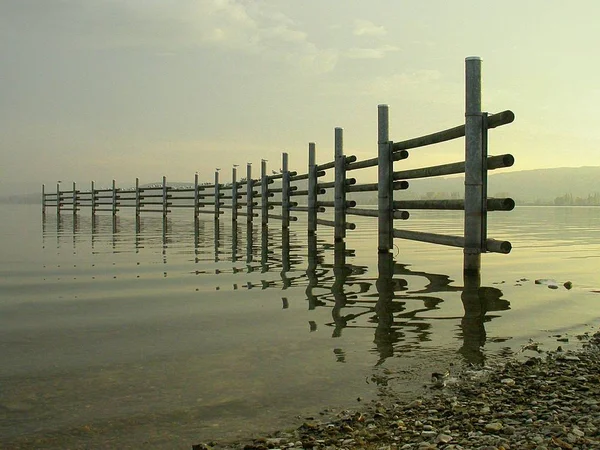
162 333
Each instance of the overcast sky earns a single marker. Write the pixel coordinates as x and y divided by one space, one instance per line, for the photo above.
102 89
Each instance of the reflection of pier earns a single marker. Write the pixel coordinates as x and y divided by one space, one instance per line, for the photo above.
397 309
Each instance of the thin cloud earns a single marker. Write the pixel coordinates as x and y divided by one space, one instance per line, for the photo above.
370 53
368 28
383 85
230 25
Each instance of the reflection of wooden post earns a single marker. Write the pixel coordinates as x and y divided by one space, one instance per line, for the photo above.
138 230
285 192
311 271
249 192
234 196
340 272
217 237
384 335
264 193
473 329
385 191
285 258
340 187
249 242
234 241
264 250
312 189
473 167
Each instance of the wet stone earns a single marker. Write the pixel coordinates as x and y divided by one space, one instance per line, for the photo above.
549 401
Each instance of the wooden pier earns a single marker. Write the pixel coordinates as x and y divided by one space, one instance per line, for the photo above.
285 190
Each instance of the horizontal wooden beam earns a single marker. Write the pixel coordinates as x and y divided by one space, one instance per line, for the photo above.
494 120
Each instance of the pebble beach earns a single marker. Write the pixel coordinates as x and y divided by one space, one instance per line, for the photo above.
544 402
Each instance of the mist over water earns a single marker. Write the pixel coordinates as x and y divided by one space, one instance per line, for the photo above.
166 333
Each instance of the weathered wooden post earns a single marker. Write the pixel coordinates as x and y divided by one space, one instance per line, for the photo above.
58 198
484 180
234 197
43 200
196 196
93 199
285 192
264 193
249 192
137 198
217 192
114 198
473 166
339 187
75 202
385 193
312 189
164 196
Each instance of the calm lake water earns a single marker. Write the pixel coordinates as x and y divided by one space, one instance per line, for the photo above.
123 335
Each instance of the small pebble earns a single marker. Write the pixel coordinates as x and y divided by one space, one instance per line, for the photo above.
540 403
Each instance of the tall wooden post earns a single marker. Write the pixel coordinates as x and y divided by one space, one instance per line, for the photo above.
196 197
137 198
385 193
93 199
114 198
249 187
43 200
217 192
264 193
75 202
312 189
285 192
58 199
340 187
484 180
234 197
473 166
165 196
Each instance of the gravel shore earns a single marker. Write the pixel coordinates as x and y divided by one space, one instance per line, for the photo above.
549 401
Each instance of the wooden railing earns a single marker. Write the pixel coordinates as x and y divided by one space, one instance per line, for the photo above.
283 190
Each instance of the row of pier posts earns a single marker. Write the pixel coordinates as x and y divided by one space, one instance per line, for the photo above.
230 196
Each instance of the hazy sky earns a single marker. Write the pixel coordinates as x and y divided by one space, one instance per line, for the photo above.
102 89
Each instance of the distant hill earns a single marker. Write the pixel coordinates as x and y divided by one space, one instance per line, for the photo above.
565 185
24 199
539 186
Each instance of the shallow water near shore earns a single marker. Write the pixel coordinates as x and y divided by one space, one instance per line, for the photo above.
163 334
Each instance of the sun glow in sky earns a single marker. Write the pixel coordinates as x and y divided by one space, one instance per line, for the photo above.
103 89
